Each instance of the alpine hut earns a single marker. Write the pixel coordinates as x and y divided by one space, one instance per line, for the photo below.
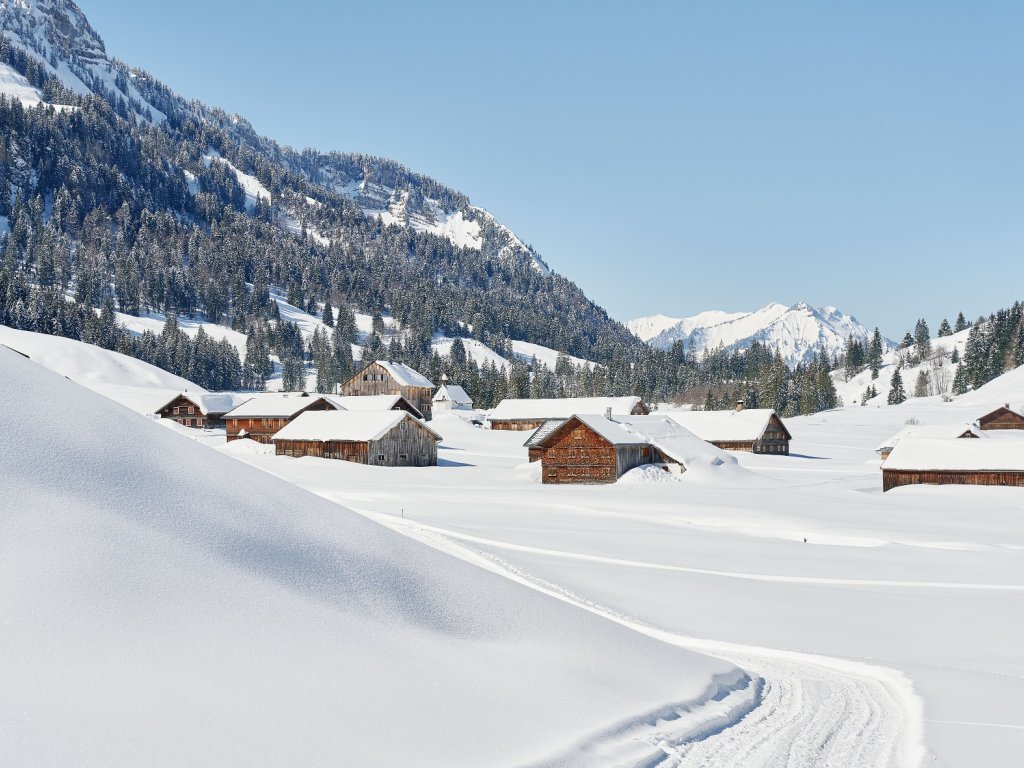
451 397
756 430
929 432
262 416
382 438
202 411
386 378
1001 418
600 449
954 462
524 414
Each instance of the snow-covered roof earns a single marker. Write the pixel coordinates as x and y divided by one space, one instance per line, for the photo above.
673 441
511 409
369 402
542 432
953 455
724 426
931 432
452 393
273 406
213 402
404 375
345 426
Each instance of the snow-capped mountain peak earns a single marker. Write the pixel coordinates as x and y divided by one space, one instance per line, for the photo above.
797 331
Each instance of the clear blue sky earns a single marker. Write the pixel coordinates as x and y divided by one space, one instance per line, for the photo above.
668 157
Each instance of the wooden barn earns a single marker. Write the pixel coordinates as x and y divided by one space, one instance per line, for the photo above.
263 416
929 432
202 411
595 449
533 443
755 430
1001 418
451 397
374 403
385 378
381 438
954 462
525 414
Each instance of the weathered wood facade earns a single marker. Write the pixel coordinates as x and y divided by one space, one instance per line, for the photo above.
409 443
1001 418
188 413
262 428
894 478
386 379
575 453
758 430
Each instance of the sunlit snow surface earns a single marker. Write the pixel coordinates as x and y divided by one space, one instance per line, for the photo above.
891 636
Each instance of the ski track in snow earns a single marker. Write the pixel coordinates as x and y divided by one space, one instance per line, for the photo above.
791 709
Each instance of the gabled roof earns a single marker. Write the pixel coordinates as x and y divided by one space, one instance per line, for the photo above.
452 393
404 375
542 432
370 403
513 409
275 406
211 402
957 455
346 426
726 426
931 432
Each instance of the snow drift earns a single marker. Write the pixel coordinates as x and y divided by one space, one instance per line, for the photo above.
164 604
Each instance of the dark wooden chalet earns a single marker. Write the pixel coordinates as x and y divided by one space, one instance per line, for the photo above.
954 462
201 411
263 416
592 450
521 414
386 378
382 438
1001 418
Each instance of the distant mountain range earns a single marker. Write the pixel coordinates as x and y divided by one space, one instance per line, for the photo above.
798 332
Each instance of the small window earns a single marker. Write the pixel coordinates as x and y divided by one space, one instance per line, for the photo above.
191 410
177 410
380 457
403 456
200 422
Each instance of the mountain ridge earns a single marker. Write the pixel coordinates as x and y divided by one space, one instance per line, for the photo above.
798 331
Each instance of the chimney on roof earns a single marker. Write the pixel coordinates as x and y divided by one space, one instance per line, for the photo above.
740 406
608 413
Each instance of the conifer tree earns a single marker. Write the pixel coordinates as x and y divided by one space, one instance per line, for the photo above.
961 323
897 394
921 385
945 329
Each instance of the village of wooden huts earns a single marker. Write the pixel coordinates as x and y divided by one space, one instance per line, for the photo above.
203 411
524 414
382 438
595 449
754 430
387 378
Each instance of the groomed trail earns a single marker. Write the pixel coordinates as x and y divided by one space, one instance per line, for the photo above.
791 710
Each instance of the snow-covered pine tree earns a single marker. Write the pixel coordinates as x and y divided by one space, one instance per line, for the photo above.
945 329
921 385
897 394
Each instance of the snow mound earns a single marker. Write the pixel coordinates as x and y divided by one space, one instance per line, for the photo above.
153 588
246 447
649 473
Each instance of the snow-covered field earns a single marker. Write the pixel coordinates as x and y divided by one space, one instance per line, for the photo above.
873 629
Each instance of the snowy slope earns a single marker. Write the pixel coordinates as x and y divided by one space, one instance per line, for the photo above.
797 331
237 620
133 383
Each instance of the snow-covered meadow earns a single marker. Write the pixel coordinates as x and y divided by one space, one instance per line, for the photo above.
871 629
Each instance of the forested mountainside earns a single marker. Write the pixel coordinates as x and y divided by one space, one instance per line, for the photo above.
122 196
